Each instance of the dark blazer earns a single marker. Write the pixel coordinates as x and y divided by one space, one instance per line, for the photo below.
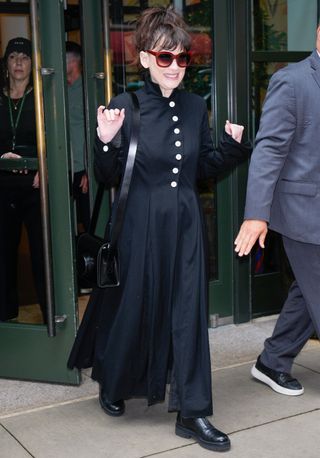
284 174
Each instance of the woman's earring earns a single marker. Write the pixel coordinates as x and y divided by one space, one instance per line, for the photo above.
7 74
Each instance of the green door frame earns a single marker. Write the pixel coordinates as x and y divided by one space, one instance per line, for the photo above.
229 296
26 351
93 72
94 76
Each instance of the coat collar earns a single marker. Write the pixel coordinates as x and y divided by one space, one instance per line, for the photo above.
152 88
315 65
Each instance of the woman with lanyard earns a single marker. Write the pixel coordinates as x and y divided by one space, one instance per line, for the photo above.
19 192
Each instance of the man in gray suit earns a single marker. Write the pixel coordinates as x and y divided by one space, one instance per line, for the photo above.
284 193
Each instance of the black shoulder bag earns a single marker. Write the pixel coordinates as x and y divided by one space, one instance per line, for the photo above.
97 258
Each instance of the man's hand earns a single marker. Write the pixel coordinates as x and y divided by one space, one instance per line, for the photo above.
250 231
235 130
109 123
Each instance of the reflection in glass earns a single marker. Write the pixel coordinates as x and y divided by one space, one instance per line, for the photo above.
278 25
262 72
270 25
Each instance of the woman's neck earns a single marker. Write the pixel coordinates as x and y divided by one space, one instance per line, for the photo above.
17 88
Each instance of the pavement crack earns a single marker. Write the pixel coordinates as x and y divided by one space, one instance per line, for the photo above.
273 421
234 432
50 406
305 367
17 440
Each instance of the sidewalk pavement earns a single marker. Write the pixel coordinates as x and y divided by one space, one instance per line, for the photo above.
43 420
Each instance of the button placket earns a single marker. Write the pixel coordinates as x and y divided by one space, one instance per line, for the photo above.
177 145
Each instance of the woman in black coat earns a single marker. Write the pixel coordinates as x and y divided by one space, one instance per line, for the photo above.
152 329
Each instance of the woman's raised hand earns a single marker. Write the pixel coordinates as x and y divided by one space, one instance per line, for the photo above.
109 123
235 130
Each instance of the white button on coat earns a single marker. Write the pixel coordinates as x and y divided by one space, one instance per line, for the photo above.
172 104
178 157
176 131
173 184
105 148
175 118
175 170
177 143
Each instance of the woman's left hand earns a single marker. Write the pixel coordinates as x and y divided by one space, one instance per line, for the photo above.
235 130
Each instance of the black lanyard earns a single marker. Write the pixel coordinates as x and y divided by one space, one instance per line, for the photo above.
14 125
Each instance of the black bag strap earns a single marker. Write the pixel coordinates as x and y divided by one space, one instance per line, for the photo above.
126 180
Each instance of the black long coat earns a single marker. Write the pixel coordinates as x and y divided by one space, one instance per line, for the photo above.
156 321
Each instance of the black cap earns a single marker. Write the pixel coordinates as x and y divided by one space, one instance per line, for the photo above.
18 44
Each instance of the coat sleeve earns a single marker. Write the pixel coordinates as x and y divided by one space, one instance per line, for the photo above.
108 164
213 161
109 158
273 140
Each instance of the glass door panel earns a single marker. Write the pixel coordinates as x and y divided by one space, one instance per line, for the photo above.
277 40
284 25
22 263
26 350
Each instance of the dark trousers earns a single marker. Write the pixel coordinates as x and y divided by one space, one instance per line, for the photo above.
18 205
300 315
82 201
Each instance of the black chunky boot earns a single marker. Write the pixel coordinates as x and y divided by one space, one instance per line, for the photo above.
203 432
115 409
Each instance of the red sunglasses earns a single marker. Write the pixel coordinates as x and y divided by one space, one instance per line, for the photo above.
165 58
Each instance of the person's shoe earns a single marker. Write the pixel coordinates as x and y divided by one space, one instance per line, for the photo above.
115 409
281 382
203 432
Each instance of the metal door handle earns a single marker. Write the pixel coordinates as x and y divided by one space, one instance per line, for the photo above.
45 71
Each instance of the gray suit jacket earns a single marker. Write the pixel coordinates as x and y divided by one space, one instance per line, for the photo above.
284 174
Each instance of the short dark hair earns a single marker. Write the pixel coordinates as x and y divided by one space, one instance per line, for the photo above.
161 26
74 48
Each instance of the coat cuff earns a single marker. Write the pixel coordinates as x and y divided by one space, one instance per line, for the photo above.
244 146
114 143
